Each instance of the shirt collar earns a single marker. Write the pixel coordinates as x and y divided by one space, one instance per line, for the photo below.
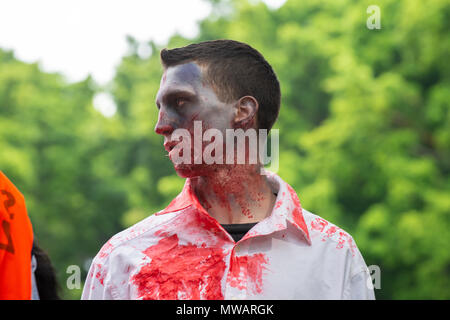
287 208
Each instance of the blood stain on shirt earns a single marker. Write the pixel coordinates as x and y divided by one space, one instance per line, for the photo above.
100 274
331 231
247 268
278 204
319 224
105 250
297 211
181 271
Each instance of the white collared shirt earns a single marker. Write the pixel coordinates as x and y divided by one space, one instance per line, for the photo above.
182 252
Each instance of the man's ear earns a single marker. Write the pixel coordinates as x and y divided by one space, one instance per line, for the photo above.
246 109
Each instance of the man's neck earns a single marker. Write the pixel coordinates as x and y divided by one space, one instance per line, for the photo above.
235 194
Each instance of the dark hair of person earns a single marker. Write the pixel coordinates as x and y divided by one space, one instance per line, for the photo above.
46 281
233 69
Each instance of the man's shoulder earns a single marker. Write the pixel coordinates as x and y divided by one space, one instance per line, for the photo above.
142 230
326 236
325 232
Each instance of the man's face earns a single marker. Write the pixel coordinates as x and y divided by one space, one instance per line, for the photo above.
183 98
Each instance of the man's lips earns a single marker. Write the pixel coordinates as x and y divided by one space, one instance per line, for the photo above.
170 145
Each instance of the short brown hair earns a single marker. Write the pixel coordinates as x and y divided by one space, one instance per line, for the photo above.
233 69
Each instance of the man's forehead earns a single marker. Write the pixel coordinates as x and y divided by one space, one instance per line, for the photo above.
183 74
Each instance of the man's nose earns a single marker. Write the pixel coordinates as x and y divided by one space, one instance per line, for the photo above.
164 125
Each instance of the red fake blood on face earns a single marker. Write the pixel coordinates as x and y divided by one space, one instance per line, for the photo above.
181 272
245 269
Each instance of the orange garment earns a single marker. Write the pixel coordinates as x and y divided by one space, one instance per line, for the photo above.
16 241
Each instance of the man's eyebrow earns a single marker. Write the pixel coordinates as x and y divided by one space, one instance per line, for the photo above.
184 91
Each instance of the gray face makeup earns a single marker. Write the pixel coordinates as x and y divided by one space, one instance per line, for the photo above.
183 98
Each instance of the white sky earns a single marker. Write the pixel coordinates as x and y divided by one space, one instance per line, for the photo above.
81 37
78 37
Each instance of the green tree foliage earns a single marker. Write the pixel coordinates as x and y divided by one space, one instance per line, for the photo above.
364 134
364 125
54 147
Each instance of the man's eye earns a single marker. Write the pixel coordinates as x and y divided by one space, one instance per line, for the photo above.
180 102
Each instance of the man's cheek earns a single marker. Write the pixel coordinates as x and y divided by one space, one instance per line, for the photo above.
192 148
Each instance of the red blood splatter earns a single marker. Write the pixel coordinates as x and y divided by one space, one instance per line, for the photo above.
279 226
105 250
319 224
351 244
260 196
247 268
297 211
247 212
331 231
181 272
206 205
342 238
278 204
100 274
198 225
181 201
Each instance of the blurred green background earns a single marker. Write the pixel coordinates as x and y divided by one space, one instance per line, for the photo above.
364 135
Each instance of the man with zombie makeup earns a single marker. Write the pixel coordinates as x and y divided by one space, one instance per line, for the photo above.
236 231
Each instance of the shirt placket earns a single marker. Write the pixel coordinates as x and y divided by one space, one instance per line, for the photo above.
236 280
236 287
